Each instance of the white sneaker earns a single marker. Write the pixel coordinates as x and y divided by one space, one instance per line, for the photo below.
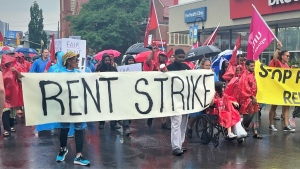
231 135
292 122
272 127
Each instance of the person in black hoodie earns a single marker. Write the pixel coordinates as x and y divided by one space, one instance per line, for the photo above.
105 66
223 70
179 122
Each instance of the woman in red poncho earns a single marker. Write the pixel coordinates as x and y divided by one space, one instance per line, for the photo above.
224 106
231 87
10 79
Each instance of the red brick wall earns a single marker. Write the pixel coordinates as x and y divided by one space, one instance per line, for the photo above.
65 10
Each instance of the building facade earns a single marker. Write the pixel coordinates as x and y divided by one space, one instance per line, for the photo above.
3 28
234 17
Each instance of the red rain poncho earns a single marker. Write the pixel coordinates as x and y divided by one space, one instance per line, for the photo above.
10 80
228 115
247 88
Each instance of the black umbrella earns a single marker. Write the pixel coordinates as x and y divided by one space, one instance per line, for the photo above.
199 52
137 50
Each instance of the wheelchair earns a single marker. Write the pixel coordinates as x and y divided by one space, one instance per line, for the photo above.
205 128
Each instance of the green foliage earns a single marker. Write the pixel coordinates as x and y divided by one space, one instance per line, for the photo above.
111 24
36 26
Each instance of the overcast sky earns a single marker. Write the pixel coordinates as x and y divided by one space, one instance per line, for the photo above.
17 13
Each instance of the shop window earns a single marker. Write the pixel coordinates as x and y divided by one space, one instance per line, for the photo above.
290 38
183 39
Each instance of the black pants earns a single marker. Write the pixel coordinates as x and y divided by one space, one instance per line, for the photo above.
7 121
247 118
78 139
112 123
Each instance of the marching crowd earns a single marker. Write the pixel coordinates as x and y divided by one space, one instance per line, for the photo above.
235 95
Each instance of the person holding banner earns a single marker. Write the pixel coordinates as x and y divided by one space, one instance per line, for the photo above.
247 96
178 123
105 66
281 58
153 63
70 65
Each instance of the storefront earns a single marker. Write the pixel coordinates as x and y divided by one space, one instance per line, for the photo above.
234 16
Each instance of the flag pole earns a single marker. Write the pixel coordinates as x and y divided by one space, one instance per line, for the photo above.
158 25
265 22
213 33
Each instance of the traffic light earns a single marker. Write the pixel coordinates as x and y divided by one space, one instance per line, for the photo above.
18 41
1 43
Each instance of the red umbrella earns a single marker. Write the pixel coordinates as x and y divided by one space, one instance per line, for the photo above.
141 57
99 55
6 48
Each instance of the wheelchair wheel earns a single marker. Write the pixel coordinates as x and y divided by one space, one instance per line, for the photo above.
204 129
215 140
240 140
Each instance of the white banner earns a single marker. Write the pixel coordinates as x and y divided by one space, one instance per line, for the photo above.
130 68
81 97
78 47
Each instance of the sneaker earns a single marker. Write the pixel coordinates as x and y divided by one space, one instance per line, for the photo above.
292 122
61 155
81 161
231 135
272 127
288 128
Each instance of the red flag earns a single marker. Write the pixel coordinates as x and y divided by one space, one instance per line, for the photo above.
260 36
1 37
170 53
195 45
211 39
152 24
52 49
233 60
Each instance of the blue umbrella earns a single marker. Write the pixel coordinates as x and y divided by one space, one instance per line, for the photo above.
217 60
26 50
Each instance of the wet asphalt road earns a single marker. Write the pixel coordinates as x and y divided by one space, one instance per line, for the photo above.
149 148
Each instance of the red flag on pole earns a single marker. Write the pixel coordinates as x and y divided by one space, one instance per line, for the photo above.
233 59
170 53
211 39
152 24
1 37
52 49
260 36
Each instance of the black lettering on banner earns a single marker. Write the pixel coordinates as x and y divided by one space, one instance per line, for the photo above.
161 80
72 97
206 91
294 98
287 96
44 98
298 76
264 71
143 93
279 74
194 93
188 96
287 74
177 92
109 90
96 100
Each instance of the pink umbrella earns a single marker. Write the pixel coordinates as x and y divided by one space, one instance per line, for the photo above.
6 48
99 55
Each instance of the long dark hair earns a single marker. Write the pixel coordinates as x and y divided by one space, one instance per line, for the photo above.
281 53
102 67
219 88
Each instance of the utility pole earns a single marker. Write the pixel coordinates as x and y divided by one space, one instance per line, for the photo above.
58 30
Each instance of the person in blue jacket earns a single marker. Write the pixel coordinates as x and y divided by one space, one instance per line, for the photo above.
70 65
204 64
39 65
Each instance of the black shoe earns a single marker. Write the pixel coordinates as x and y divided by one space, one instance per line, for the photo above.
183 149
189 133
115 127
149 122
101 126
165 126
127 132
177 152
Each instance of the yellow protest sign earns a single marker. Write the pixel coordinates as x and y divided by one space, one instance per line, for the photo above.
277 86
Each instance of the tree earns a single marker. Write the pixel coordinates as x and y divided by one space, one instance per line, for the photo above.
111 24
36 27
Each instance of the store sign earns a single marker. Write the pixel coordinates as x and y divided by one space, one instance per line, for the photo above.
192 15
243 8
280 2
14 34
